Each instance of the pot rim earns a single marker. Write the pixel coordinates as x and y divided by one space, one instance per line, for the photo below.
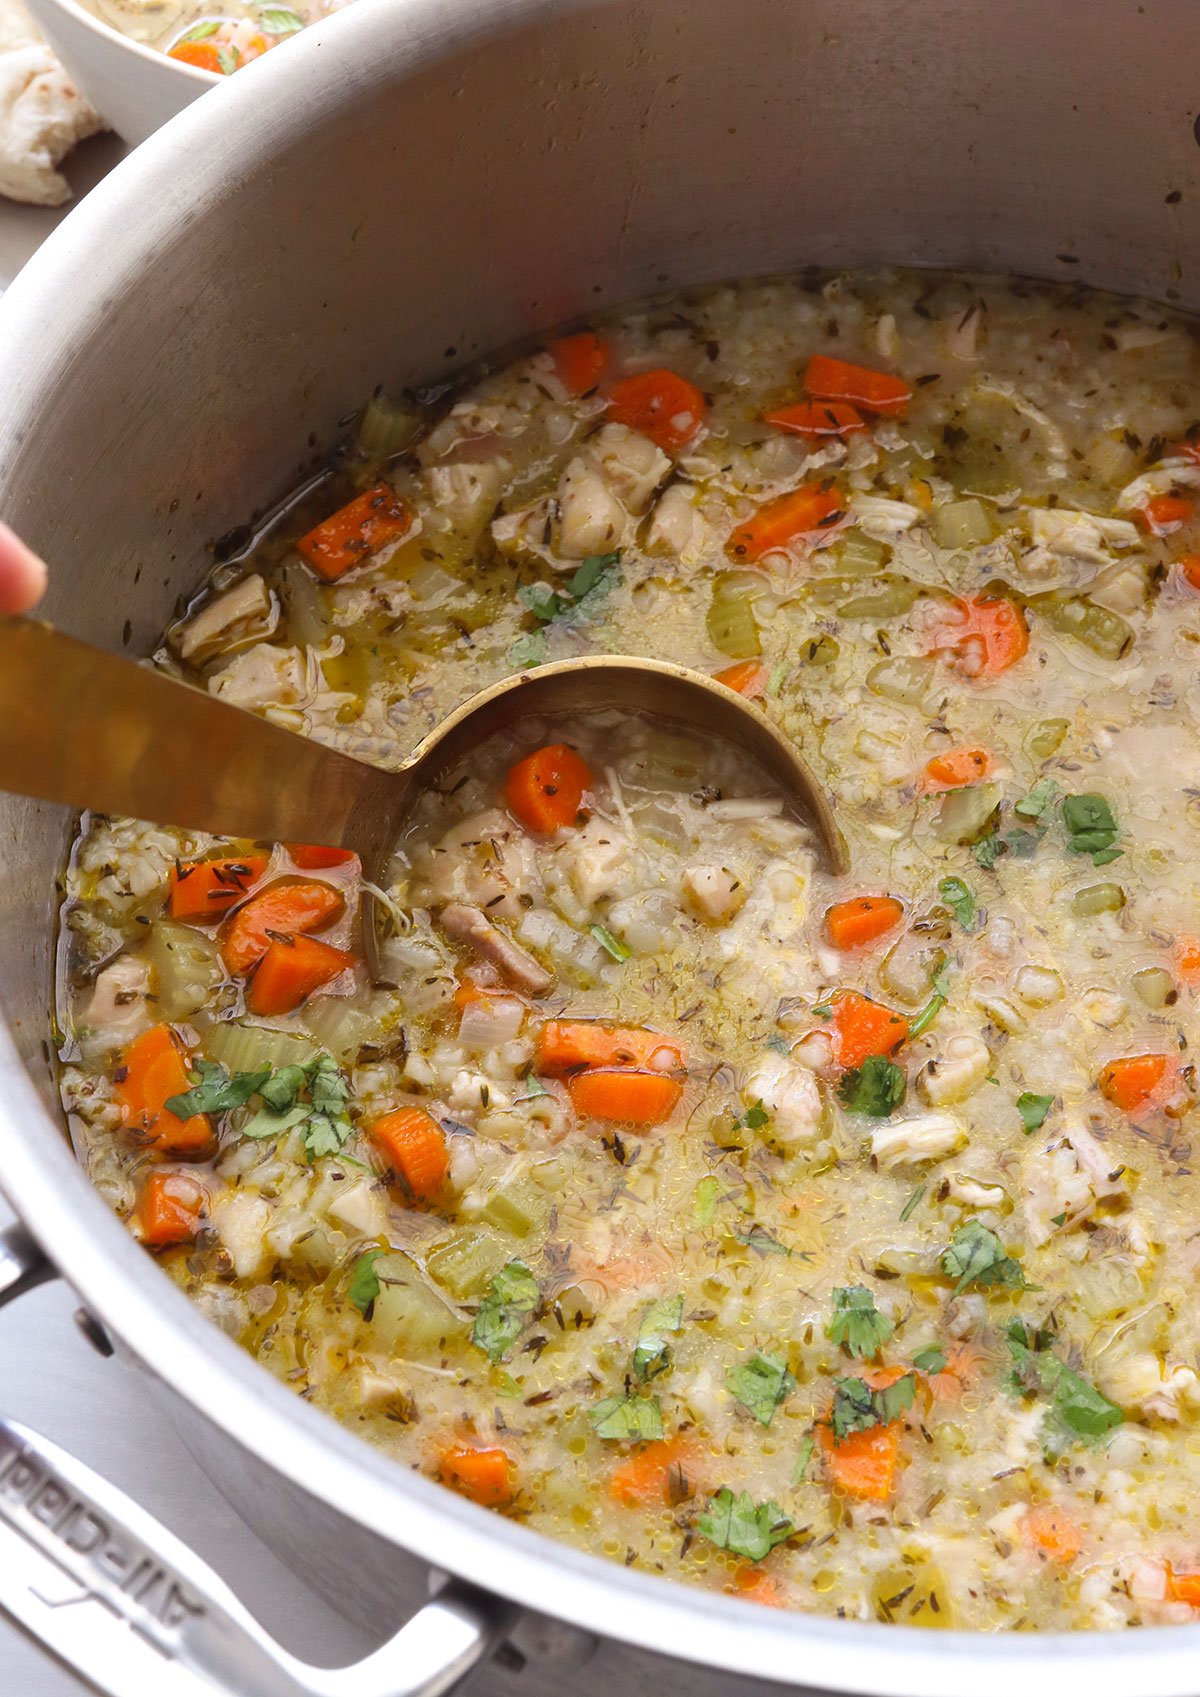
212 147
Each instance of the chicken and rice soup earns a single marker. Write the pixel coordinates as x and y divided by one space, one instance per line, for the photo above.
219 38
830 1242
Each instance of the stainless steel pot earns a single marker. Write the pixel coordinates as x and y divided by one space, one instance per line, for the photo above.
415 182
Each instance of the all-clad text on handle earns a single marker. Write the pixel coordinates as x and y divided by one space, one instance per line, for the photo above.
130 1608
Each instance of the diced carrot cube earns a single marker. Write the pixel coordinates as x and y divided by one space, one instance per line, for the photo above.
580 361
153 1069
202 890
876 391
348 537
285 908
748 678
289 972
814 510
862 1028
861 920
661 404
545 790
415 1145
169 1209
483 1473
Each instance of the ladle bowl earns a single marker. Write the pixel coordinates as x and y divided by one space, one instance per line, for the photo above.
91 729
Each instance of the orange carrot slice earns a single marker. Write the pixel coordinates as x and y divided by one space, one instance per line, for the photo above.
818 420
483 1473
469 992
622 1094
580 361
1187 959
862 1028
863 919
875 391
748 678
348 537
985 636
311 857
202 890
169 1209
415 1145
285 908
1183 1586
1052 1533
661 404
752 1585
658 1473
812 511
863 1464
957 768
545 790
1163 515
289 972
204 55
152 1070
569 1045
1138 1081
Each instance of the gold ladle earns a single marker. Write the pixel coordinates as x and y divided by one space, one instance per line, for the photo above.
81 726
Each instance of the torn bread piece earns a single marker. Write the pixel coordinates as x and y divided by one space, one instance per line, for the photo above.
42 113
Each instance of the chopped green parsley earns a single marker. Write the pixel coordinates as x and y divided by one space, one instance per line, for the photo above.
504 1312
1033 1109
761 1385
856 1407
959 899
856 1325
653 1353
976 1256
875 1088
1091 827
627 1418
742 1526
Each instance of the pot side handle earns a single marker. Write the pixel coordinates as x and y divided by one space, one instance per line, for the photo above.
130 1609
22 1264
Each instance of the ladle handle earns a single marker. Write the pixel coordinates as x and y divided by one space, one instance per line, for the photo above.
91 729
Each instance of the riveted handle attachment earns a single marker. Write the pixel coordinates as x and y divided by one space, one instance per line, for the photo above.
22 1264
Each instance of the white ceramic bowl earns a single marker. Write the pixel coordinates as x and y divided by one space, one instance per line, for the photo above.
135 88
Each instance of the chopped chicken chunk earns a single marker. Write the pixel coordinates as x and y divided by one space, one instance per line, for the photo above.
246 613
789 1093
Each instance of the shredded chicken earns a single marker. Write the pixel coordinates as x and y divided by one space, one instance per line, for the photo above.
472 926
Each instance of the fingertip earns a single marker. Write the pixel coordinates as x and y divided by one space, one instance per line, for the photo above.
23 574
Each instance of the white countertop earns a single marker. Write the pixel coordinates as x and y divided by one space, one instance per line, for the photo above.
23 228
53 1380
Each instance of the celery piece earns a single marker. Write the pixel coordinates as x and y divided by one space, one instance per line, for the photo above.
408 1316
467 1261
1103 632
967 523
247 1048
187 967
890 597
732 626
